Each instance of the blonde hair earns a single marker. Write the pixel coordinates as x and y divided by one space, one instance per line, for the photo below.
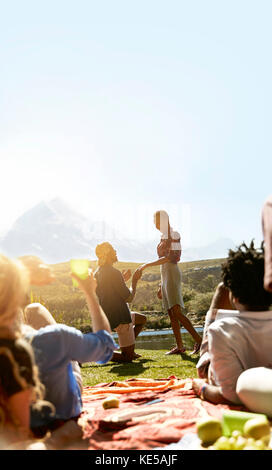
14 282
102 252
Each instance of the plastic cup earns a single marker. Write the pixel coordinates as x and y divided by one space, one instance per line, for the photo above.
80 267
234 420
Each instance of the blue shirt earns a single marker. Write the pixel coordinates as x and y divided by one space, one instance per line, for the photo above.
55 346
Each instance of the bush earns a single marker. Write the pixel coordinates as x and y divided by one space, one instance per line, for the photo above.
201 303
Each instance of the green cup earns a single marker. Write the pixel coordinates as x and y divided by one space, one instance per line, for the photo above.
233 420
80 267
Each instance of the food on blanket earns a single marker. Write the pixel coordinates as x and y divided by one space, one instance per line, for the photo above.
257 428
235 421
240 443
110 402
222 444
260 444
209 430
237 441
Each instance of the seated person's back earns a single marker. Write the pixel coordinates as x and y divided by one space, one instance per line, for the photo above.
242 340
113 293
236 344
55 346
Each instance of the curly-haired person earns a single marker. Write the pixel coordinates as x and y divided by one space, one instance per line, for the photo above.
241 340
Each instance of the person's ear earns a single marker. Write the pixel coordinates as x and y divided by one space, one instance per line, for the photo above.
235 302
232 299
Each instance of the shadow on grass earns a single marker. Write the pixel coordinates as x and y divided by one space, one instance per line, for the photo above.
130 368
190 358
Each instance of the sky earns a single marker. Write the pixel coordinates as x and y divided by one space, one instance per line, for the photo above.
121 108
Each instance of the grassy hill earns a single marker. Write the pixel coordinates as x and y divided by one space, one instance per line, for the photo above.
67 304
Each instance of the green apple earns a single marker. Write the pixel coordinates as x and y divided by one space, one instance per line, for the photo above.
209 430
257 428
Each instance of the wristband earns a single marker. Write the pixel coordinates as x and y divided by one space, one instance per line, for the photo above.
201 391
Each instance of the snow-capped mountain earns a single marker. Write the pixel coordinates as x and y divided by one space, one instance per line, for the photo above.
56 233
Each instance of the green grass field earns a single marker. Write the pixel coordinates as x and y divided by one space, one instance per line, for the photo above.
68 305
152 364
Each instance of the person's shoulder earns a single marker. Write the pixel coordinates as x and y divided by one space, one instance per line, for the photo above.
224 313
224 324
106 268
53 331
112 271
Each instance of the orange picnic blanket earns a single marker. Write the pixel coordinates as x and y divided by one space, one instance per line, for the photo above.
136 424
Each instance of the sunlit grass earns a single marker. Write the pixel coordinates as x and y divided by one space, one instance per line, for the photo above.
151 364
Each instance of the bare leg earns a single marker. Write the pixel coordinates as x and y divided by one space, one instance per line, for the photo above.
177 317
186 323
176 328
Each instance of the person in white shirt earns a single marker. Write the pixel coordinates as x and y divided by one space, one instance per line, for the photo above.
238 339
267 232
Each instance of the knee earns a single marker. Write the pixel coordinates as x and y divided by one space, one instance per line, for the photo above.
37 316
172 315
143 320
254 389
140 319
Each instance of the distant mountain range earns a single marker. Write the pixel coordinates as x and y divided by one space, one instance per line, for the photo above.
56 233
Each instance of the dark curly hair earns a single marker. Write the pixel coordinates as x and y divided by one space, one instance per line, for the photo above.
243 275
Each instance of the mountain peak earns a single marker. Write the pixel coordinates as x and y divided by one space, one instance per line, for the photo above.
56 232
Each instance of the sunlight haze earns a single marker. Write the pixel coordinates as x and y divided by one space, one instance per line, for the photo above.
122 108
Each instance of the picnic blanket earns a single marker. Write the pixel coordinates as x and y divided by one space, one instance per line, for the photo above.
136 425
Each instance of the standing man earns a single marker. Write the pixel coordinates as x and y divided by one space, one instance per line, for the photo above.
113 295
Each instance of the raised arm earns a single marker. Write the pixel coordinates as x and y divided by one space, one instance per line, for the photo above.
158 262
98 317
220 298
135 278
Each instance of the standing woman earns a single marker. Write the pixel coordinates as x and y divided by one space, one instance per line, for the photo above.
169 252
